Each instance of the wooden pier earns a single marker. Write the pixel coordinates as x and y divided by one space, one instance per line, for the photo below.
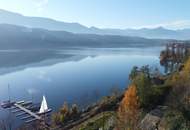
27 111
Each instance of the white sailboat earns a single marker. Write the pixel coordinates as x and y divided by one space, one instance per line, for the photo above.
44 106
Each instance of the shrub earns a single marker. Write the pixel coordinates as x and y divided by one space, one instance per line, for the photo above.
176 121
65 114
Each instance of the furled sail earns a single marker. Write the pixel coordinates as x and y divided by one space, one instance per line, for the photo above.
44 107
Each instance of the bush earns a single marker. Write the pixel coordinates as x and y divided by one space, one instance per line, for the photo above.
159 94
65 114
176 121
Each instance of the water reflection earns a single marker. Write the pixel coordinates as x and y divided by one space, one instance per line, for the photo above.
64 76
78 76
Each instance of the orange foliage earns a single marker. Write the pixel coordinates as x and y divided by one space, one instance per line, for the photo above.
128 113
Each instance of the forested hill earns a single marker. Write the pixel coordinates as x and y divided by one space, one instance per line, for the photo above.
18 37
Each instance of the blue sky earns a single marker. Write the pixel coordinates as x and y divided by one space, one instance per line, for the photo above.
173 14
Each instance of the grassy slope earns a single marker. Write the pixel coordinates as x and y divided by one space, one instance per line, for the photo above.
99 121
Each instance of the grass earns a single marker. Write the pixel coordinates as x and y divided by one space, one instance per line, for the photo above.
96 122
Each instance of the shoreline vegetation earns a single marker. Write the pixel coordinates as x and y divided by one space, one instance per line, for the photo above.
152 100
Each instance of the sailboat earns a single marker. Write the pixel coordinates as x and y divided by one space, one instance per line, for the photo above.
44 107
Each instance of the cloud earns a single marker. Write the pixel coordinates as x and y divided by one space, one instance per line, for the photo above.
41 4
32 91
180 24
43 76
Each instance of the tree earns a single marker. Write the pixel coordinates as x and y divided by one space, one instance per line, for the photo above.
60 117
74 111
64 112
143 83
134 73
128 112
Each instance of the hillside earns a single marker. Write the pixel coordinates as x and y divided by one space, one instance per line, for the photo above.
18 37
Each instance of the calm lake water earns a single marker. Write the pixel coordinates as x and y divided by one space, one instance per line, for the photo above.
78 76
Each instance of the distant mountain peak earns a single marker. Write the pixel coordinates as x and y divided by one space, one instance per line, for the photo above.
40 22
51 24
5 12
93 27
155 28
160 28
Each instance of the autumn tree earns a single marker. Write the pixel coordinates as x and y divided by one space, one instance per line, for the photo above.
63 115
128 112
64 112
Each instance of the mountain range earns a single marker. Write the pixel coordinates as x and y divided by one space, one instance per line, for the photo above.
19 37
7 17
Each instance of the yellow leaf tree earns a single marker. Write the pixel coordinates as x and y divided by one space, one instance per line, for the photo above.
128 112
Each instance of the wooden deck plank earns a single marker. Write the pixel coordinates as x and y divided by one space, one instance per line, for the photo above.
28 111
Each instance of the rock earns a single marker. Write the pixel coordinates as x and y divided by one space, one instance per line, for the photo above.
152 119
150 122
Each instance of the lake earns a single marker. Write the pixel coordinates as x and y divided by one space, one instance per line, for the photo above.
74 75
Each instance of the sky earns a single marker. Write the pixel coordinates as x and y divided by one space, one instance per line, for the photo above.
171 14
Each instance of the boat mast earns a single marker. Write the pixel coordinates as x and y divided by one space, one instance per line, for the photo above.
9 93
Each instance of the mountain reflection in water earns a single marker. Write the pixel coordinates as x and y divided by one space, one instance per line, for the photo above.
74 75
